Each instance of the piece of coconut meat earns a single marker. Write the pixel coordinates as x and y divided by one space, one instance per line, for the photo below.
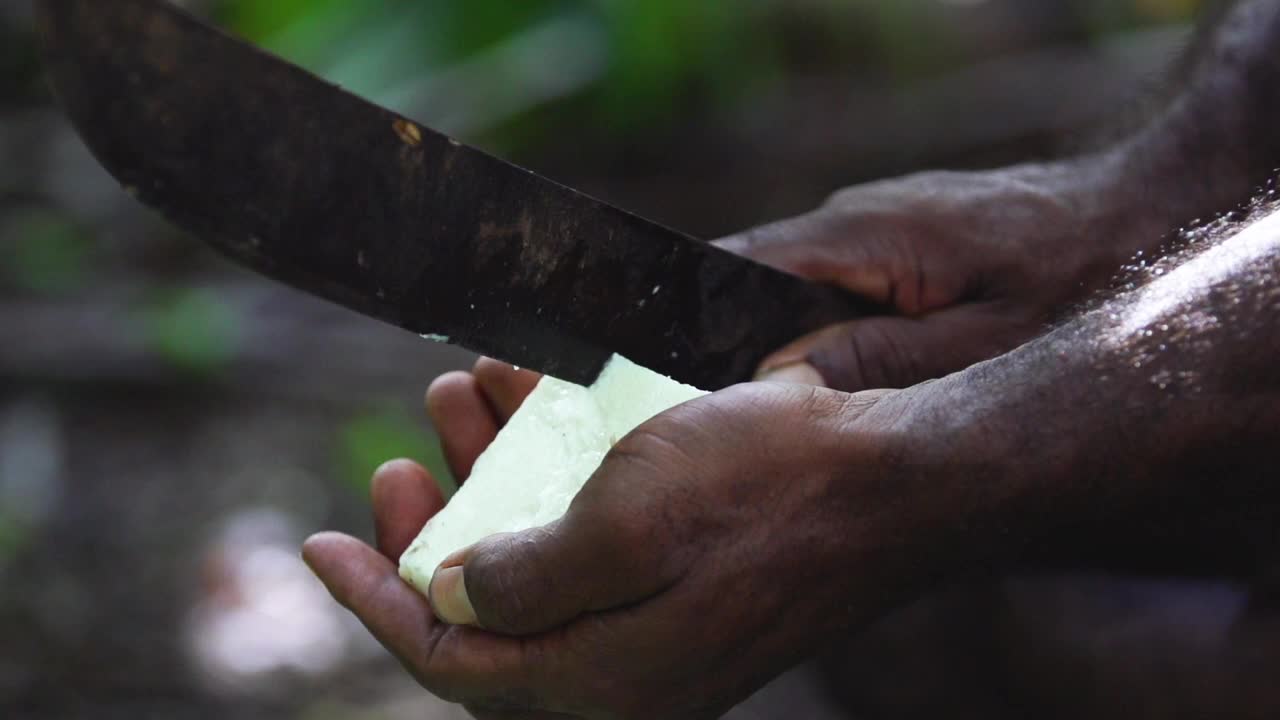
541 459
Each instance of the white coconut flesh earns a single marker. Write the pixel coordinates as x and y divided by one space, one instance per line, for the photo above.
541 459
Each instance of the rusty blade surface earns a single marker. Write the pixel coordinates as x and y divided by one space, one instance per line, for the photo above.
315 187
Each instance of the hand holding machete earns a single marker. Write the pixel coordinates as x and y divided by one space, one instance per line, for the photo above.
310 185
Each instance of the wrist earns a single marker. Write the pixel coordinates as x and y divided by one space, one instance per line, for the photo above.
951 503
1213 147
1089 450
1126 206
1108 220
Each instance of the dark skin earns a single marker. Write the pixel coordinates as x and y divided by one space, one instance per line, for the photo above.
727 539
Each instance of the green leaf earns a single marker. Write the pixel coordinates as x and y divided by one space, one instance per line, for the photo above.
14 536
46 251
388 433
193 329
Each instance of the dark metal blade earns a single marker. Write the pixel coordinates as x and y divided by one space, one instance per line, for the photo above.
317 188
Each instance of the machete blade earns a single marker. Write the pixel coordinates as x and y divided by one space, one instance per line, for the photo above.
315 187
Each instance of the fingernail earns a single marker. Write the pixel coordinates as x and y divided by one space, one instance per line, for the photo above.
457 559
448 595
800 373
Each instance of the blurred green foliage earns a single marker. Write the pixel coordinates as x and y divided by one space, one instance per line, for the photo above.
194 330
650 54
653 54
1106 16
44 251
468 67
14 536
386 433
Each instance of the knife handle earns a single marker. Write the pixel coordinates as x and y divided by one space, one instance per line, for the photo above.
751 311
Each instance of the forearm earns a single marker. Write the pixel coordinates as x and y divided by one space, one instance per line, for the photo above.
1142 436
1216 143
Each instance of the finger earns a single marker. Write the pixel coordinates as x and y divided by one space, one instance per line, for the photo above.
869 256
896 352
601 555
463 418
404 499
765 240
504 386
815 247
459 664
367 583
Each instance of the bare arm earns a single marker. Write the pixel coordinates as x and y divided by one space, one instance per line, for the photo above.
975 264
1216 143
1143 435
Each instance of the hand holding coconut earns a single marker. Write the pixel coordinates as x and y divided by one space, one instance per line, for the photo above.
684 563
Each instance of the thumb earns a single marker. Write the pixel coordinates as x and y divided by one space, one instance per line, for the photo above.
898 352
531 582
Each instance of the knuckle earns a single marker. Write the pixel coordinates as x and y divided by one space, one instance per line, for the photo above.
509 582
650 531
870 359
495 587
378 598
655 446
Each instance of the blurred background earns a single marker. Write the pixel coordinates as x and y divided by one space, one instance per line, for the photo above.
171 427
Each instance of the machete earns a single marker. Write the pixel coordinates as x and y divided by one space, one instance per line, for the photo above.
308 184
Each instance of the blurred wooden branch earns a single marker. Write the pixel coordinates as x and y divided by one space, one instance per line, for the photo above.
287 345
